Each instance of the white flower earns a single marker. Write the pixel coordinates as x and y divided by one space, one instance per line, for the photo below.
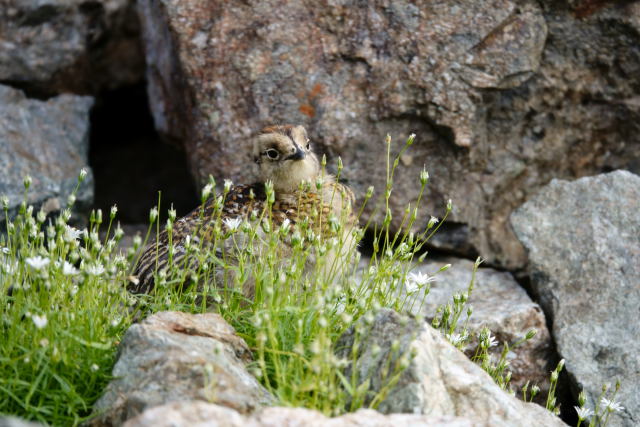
114 211
37 262
420 279
68 269
455 339
39 321
412 287
71 234
83 174
94 367
4 250
583 413
95 269
433 221
227 185
5 202
232 224
490 341
611 405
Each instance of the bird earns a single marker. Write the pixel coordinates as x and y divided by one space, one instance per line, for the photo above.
301 191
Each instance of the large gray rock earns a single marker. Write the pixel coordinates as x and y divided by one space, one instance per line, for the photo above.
174 356
500 304
48 140
6 421
503 95
440 379
194 413
54 46
583 239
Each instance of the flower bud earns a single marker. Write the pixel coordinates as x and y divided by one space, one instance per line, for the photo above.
153 215
369 192
206 192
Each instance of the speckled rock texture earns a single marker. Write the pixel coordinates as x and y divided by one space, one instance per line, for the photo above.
174 356
503 95
48 140
583 239
439 380
503 306
80 46
195 413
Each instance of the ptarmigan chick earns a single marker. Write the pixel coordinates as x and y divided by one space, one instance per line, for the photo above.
284 157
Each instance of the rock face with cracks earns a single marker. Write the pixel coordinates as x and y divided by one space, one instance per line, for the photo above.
173 356
49 141
55 46
503 95
583 239
439 378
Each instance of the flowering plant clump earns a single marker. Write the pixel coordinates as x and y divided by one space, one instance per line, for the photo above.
65 306
61 289
603 408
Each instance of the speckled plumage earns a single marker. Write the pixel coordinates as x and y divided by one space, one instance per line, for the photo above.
291 203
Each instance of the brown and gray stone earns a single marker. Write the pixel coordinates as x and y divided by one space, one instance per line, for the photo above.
173 356
440 379
500 304
80 46
196 413
48 140
504 95
583 239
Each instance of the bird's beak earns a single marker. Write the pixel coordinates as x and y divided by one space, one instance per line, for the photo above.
298 155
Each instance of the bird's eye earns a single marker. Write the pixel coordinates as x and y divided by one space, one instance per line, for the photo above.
308 145
272 153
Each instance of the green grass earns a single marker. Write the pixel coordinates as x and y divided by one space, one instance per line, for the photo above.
65 307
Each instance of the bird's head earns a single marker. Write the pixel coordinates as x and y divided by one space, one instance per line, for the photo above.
284 156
